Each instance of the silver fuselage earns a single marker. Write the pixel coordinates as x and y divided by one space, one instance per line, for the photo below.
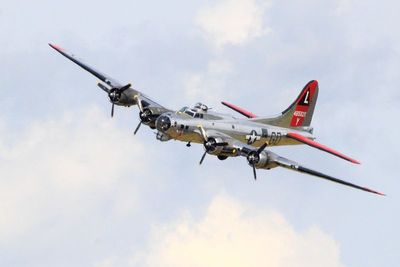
186 128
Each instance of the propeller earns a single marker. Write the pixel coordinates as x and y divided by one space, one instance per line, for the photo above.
254 157
114 94
209 143
139 103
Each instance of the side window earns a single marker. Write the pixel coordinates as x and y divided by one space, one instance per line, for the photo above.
264 132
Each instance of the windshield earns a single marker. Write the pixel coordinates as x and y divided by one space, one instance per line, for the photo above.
191 112
183 109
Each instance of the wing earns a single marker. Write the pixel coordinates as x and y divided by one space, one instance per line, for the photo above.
322 147
291 165
228 141
262 159
266 160
80 62
129 97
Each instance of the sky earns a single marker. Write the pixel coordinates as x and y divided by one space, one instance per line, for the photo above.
78 189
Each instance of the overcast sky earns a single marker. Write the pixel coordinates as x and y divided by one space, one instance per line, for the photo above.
78 189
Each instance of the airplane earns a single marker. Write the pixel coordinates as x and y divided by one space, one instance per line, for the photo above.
225 135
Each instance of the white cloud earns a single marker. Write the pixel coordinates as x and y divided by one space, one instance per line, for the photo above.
233 234
207 86
61 170
232 22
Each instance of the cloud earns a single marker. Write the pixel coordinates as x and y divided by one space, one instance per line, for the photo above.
234 234
232 22
60 170
209 85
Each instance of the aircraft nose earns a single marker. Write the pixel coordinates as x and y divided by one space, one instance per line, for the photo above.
163 123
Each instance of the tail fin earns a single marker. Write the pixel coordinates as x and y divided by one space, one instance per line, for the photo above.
300 112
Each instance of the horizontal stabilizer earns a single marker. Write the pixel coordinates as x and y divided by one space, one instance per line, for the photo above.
322 147
240 110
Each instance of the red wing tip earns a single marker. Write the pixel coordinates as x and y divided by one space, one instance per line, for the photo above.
56 47
382 194
375 192
355 161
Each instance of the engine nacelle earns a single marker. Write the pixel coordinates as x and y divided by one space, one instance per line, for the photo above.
211 145
217 146
262 160
228 152
148 118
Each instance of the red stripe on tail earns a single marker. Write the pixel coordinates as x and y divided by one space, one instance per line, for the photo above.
303 104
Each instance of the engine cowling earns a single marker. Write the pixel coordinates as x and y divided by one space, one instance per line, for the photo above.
212 147
261 160
216 146
148 118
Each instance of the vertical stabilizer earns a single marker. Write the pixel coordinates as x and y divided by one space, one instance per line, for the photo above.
300 112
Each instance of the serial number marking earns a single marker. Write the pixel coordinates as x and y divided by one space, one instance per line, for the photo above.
298 113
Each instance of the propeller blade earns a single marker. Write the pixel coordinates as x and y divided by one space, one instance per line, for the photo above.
103 87
203 132
125 87
139 103
254 171
202 158
112 110
261 148
137 128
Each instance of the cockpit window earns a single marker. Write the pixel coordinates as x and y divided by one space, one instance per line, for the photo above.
183 109
190 113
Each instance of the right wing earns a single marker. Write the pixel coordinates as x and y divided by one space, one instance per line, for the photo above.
129 97
291 165
267 160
